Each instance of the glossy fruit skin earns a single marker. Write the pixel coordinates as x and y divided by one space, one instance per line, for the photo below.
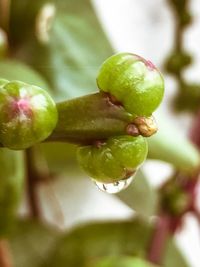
28 115
114 160
133 81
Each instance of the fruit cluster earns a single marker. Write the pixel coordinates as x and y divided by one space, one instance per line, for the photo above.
28 115
138 86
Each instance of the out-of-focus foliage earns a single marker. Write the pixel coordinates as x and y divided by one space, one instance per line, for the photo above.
77 46
31 243
15 70
11 187
87 244
120 261
133 196
171 146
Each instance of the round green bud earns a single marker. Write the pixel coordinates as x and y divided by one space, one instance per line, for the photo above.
133 81
115 160
28 115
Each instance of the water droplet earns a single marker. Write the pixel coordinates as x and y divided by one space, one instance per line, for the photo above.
115 187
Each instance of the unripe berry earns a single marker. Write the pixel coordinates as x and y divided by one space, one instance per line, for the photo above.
133 81
28 115
115 160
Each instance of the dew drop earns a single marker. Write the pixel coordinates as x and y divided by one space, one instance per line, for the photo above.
115 187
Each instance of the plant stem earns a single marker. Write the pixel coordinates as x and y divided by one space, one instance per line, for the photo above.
32 186
90 118
5 257
159 239
5 13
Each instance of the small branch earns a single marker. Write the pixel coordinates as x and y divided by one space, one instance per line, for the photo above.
178 35
5 256
90 118
5 13
159 239
32 186
194 133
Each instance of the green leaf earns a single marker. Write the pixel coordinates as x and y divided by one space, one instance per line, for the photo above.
11 187
36 245
100 240
14 70
109 239
77 46
173 256
170 146
121 262
140 196
31 243
60 157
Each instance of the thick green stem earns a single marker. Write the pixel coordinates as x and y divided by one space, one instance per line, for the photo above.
90 118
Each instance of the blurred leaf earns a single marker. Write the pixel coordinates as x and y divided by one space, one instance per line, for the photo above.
14 70
173 256
59 156
22 16
98 240
121 262
31 243
112 239
170 146
36 245
11 187
140 196
75 51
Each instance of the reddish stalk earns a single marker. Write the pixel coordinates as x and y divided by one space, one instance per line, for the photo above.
159 238
5 13
32 183
5 255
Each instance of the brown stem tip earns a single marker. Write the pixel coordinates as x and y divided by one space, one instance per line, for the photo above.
146 126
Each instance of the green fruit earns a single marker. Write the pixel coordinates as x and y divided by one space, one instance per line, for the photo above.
28 115
114 160
133 81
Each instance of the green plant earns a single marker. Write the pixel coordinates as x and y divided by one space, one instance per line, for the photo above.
110 130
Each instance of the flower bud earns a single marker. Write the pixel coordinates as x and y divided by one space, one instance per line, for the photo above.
28 115
133 81
115 160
